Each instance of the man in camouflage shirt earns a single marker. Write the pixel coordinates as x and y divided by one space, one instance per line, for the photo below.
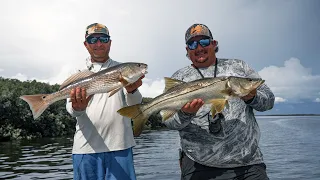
224 146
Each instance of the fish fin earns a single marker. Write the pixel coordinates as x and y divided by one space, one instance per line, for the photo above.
37 103
169 83
166 114
218 105
74 77
124 81
227 91
135 113
213 111
138 125
114 91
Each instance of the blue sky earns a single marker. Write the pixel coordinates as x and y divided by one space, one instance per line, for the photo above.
42 40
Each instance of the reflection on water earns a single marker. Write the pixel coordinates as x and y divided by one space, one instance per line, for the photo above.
41 159
155 156
291 148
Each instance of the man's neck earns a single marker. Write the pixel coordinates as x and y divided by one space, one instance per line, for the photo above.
99 60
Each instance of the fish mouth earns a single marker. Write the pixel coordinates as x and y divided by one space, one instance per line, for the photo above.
259 83
144 71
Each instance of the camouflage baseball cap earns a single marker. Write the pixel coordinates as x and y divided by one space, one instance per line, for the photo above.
96 28
197 30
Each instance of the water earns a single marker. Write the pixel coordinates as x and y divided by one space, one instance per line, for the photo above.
291 148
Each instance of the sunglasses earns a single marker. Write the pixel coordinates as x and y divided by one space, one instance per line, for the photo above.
93 40
192 45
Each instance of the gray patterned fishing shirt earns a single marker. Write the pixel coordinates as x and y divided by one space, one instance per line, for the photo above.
236 144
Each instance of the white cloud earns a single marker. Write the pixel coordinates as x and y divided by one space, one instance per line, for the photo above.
151 88
19 76
1 70
292 81
317 100
53 32
279 100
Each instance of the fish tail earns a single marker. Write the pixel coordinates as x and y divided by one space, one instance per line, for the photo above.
37 103
135 113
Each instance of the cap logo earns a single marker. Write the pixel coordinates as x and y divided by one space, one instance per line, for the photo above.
98 27
196 30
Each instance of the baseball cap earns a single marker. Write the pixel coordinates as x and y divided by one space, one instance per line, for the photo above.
197 30
96 28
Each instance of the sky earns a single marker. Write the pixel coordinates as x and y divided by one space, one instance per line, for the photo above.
43 39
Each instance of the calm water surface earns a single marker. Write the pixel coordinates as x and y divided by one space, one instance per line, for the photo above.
291 148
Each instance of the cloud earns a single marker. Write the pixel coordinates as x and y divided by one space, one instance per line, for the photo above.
152 88
43 40
317 100
19 76
279 100
292 82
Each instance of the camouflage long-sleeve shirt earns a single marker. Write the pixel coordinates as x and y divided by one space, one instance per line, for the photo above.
237 142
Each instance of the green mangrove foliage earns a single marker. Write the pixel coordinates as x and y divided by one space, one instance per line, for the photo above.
16 120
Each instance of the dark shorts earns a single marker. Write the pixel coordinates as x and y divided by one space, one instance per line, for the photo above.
191 170
100 166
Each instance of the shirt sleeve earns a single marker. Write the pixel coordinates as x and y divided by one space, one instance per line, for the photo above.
73 112
132 98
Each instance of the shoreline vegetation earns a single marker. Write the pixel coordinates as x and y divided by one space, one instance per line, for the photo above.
16 121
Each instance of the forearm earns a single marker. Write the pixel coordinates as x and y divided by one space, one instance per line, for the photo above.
263 100
133 98
71 111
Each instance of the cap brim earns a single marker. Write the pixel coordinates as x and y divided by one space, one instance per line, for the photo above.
97 33
196 36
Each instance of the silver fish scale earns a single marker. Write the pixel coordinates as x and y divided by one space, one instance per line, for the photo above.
97 85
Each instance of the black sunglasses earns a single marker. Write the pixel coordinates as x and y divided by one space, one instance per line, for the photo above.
192 45
93 40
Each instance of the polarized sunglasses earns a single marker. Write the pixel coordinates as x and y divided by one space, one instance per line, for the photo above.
93 40
192 45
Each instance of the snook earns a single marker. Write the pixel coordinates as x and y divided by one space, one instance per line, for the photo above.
216 91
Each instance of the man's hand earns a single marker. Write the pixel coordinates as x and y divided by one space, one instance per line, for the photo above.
79 99
193 106
250 95
130 88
